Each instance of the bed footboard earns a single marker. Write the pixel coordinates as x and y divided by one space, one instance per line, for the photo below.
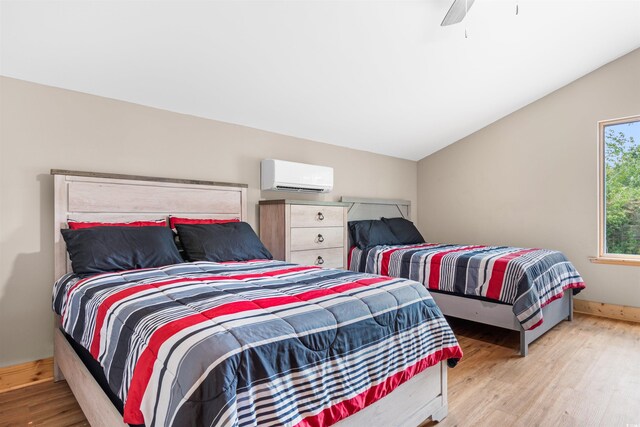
94 403
421 398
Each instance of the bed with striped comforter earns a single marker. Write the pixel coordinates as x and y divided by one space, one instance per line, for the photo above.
527 279
252 343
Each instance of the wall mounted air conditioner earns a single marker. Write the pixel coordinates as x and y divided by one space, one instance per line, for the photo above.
289 176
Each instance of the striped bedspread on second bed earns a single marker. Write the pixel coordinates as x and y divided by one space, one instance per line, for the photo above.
252 343
527 279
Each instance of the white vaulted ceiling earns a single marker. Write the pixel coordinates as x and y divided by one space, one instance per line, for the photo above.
381 76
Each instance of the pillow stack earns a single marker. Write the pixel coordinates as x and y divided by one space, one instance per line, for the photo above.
385 231
105 247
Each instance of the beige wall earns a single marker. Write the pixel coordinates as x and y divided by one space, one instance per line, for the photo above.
44 127
530 178
526 180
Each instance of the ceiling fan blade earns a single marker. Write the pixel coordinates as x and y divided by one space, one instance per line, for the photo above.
457 12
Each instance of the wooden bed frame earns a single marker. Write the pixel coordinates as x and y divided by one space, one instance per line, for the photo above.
481 311
86 196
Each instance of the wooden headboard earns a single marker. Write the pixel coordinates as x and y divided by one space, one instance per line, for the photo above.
89 196
363 208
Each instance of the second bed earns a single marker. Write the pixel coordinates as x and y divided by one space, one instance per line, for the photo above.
523 289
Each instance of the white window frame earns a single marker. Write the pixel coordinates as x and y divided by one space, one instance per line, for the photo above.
603 256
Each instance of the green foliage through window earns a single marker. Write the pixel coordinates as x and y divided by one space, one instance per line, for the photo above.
622 187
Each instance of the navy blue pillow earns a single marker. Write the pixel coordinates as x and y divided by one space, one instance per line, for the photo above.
107 249
371 232
404 230
229 241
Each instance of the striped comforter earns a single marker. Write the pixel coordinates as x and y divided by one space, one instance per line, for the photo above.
528 279
259 342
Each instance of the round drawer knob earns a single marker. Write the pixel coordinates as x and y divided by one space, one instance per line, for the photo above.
319 261
320 238
320 216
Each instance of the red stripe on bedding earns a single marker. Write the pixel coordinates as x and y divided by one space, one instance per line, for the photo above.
104 308
106 305
144 367
342 410
436 261
577 285
494 288
74 287
127 292
536 325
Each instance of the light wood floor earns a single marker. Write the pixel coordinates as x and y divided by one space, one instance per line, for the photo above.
584 373
46 404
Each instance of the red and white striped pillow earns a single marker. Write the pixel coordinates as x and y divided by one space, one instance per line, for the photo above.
173 220
77 225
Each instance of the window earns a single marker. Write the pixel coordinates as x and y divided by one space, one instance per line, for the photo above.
619 194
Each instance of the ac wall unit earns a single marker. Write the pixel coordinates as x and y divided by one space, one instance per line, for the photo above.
290 176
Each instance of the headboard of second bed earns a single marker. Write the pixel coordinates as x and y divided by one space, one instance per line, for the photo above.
365 208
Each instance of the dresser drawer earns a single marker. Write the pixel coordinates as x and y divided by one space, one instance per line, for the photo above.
316 238
328 258
317 216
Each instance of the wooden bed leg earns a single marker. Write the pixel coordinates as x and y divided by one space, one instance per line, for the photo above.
524 345
440 414
57 373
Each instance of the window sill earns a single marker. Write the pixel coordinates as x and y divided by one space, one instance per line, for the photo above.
615 260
